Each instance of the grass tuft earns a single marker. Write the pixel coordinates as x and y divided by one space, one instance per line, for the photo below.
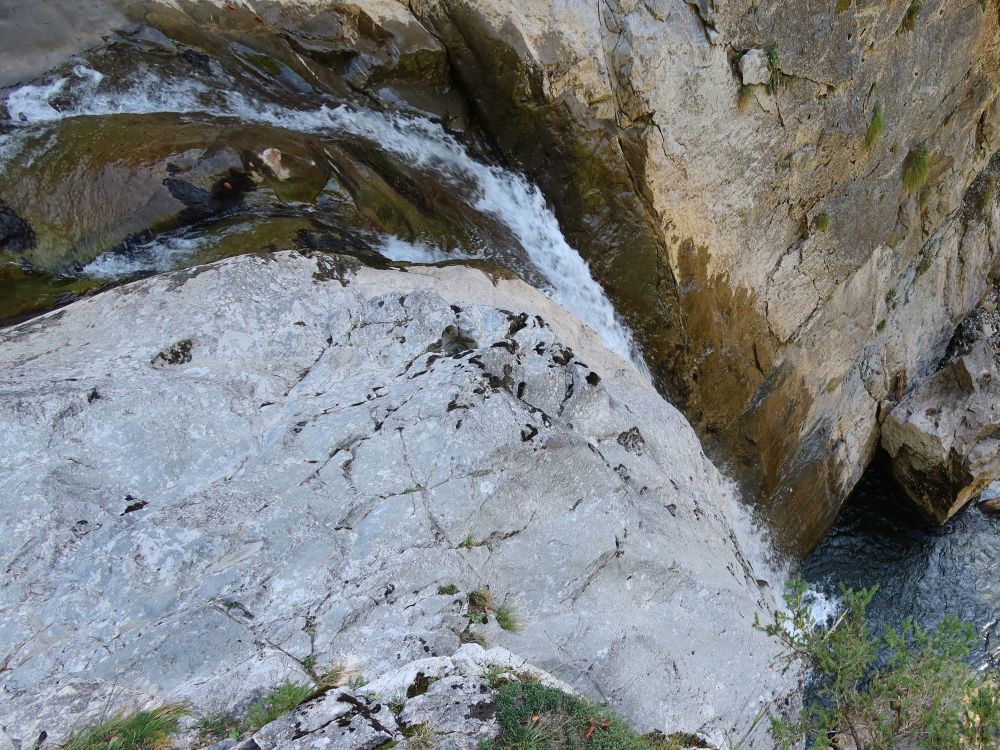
143 730
419 737
284 698
535 717
910 17
773 62
450 590
916 168
506 618
481 600
822 222
472 636
875 128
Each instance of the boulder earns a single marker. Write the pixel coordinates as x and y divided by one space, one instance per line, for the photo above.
220 478
754 68
943 439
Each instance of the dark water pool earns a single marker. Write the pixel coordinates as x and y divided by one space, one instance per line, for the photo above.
920 570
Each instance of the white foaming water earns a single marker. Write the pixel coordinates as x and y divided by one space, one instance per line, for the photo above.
157 255
504 194
823 608
398 249
146 94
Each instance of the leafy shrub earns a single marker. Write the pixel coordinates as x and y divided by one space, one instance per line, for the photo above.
144 730
908 687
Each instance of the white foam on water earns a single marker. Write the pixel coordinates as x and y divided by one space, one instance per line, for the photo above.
395 248
823 608
32 103
425 145
162 254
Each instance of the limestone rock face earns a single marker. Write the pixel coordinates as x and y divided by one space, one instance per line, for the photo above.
943 439
784 283
219 478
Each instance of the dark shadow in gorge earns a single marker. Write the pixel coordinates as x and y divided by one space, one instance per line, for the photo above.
921 570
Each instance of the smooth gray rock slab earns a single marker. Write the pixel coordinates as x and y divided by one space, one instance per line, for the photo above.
216 477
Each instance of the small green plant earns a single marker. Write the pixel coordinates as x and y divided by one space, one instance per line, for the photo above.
143 730
506 618
916 168
357 682
535 717
921 693
910 17
450 590
881 325
495 676
481 600
309 663
875 128
284 698
469 542
822 222
773 61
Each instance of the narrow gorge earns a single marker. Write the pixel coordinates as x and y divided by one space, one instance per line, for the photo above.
426 356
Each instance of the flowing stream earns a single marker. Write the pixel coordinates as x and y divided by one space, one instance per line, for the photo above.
491 193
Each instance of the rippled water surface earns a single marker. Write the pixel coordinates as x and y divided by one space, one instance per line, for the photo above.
920 571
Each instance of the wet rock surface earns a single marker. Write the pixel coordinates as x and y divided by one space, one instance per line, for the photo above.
226 476
943 439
